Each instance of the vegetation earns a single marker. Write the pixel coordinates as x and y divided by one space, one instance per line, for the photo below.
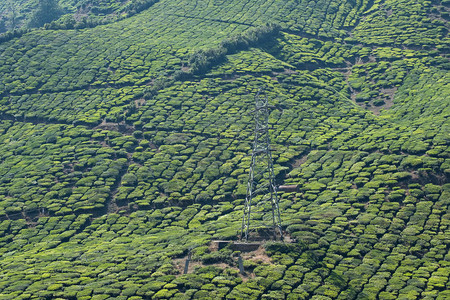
47 11
125 142
66 14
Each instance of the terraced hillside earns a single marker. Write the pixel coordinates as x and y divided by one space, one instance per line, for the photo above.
125 146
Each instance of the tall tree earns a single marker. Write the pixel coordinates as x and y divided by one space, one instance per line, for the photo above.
2 25
47 11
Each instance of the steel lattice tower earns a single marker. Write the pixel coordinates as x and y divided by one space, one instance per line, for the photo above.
261 210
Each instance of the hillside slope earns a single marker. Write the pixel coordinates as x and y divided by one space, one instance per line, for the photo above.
126 145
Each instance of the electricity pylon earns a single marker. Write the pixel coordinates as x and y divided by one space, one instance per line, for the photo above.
261 210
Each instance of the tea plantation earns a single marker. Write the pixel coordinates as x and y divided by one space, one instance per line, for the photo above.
126 131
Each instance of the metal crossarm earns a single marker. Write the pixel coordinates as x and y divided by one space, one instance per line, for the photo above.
261 187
